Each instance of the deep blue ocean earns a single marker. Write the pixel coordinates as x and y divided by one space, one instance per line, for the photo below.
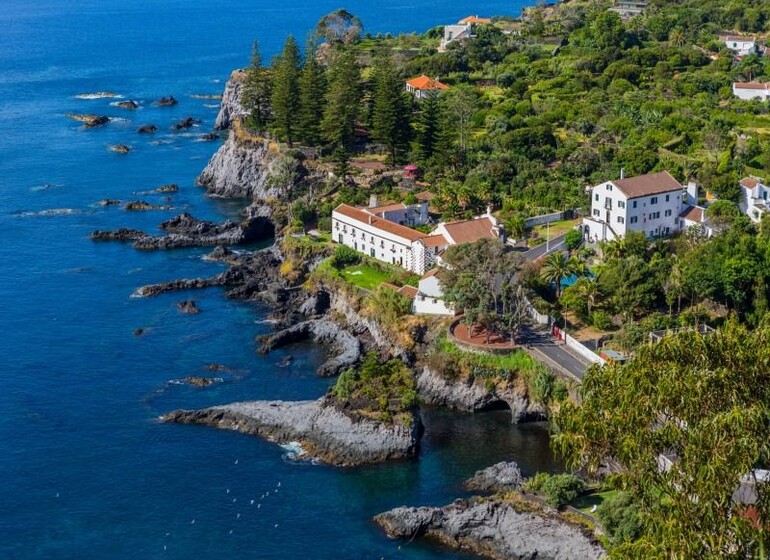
86 471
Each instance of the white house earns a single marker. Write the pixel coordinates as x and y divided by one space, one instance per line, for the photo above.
742 46
628 9
423 86
754 198
454 33
650 204
429 299
751 90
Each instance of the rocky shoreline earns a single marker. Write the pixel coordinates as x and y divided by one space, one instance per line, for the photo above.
324 432
494 528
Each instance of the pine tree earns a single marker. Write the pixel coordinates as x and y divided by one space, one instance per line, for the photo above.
343 98
312 89
428 129
256 90
285 94
391 113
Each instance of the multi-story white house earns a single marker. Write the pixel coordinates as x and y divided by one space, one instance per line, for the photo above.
742 46
754 199
454 33
382 233
751 90
648 203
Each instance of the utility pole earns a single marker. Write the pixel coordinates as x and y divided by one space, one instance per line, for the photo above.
547 236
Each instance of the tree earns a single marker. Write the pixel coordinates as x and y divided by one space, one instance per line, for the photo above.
338 27
685 420
428 128
462 101
285 94
573 239
342 100
391 110
556 267
607 30
256 90
312 89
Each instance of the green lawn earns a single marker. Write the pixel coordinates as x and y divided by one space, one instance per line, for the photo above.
365 276
554 229
587 502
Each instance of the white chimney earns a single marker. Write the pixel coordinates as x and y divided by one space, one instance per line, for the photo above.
622 173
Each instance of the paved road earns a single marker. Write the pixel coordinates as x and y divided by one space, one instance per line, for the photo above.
540 251
542 346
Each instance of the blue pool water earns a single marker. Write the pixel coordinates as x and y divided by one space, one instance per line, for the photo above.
85 469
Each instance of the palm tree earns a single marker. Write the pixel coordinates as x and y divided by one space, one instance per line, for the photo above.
556 267
589 289
676 37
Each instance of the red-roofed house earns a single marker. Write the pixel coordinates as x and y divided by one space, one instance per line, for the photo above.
754 197
423 86
475 20
751 90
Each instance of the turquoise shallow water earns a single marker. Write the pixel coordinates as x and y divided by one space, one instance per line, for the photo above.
85 469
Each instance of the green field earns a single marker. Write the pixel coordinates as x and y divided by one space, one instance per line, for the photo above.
365 276
587 502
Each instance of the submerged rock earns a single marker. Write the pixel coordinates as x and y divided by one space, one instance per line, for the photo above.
169 101
323 431
108 202
186 123
138 332
129 104
493 528
209 136
345 347
122 234
120 148
188 306
147 129
89 121
499 478
201 382
140 205
170 188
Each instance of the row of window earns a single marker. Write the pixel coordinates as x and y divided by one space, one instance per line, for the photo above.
622 204
635 219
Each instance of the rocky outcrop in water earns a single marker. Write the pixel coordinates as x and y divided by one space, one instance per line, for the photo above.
345 348
128 104
474 396
323 431
230 107
189 307
89 121
147 129
493 528
141 205
122 234
169 101
499 478
185 123
120 148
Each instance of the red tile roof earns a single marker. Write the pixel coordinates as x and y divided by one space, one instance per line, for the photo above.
385 208
646 185
408 291
750 85
469 231
425 195
693 214
425 83
379 223
475 19
435 241
749 182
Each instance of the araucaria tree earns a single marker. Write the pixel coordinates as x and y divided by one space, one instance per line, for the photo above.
688 421
343 98
285 95
391 110
256 91
312 89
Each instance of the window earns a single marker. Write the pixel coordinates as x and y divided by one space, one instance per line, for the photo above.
382 243
667 213
654 200
596 197
596 212
371 252
634 205
340 238
620 219
621 204
336 225
667 197
609 187
633 220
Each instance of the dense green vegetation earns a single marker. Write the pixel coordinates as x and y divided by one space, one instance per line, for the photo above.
701 401
384 390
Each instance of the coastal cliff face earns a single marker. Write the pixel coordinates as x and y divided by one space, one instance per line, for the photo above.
231 107
240 170
437 390
492 528
323 431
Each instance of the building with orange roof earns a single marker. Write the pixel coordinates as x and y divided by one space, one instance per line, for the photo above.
754 198
751 90
475 20
424 86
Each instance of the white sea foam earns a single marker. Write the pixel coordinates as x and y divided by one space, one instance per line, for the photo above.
98 95
48 212
211 105
45 187
293 450
115 104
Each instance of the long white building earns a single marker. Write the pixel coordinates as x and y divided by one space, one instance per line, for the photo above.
648 203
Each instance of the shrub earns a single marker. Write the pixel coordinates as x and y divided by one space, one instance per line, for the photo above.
560 391
542 386
325 224
573 239
620 517
561 489
601 320
535 483
345 256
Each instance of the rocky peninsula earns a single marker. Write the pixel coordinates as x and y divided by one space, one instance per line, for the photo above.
324 432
